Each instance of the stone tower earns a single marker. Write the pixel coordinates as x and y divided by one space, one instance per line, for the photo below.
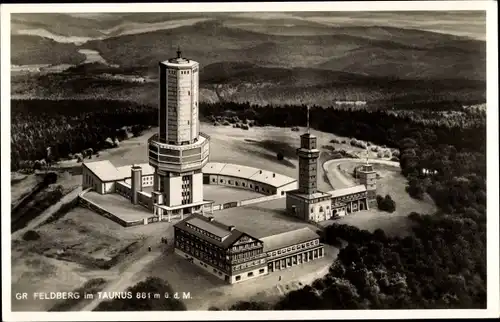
308 164
368 177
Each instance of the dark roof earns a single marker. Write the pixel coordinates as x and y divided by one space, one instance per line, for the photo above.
308 135
289 238
214 227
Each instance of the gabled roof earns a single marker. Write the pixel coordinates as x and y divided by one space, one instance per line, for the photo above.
347 191
242 171
104 170
289 238
229 237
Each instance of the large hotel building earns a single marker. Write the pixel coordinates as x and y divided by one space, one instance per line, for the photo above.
235 256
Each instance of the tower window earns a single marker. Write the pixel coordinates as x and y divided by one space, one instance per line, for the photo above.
189 92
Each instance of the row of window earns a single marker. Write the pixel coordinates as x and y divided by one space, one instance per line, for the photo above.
296 247
204 256
320 209
246 254
183 72
249 274
245 246
351 197
243 184
147 180
246 265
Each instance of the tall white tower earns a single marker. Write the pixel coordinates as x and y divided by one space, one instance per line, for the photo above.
178 151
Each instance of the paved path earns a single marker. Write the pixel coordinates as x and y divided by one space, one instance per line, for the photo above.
47 213
334 175
131 267
125 279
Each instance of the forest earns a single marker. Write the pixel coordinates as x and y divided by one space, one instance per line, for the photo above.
441 265
70 126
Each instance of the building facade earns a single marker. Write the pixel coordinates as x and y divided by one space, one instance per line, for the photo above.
368 177
221 250
292 248
249 178
235 256
178 151
307 202
310 204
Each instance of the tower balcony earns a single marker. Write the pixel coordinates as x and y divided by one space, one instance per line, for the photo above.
178 158
306 153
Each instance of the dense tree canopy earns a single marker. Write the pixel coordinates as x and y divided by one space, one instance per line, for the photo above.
151 285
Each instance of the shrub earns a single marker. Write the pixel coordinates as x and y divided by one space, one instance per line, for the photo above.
386 204
31 235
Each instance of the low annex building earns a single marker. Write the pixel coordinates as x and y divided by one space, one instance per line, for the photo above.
245 177
292 248
235 256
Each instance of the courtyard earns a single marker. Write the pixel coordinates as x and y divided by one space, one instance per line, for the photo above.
223 194
261 219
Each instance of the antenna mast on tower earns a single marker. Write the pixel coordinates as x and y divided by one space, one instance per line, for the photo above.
308 127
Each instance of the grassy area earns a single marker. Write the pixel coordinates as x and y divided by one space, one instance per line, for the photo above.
92 286
256 147
222 194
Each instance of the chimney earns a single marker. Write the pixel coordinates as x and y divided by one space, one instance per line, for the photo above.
231 228
210 219
274 175
260 171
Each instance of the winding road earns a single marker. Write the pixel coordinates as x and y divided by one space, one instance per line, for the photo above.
334 175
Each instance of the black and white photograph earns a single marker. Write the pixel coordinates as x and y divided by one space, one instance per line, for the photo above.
335 161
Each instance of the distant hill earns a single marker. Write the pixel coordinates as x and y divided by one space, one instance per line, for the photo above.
244 81
372 51
339 63
29 50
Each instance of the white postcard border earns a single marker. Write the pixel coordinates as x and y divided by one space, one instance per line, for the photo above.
492 159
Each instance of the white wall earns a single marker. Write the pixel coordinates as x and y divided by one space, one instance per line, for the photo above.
291 186
89 180
174 191
109 187
244 276
197 186
317 215
147 181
